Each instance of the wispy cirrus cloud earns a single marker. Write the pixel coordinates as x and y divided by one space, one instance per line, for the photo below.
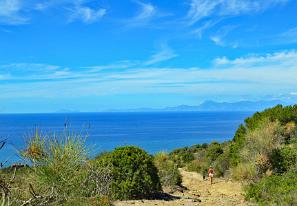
114 66
78 9
147 11
145 14
200 9
206 25
32 71
14 12
86 14
219 38
288 37
11 12
165 54
273 73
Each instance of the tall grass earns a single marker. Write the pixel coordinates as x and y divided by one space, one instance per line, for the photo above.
61 171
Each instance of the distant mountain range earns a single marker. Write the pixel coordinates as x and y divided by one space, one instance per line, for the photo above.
214 106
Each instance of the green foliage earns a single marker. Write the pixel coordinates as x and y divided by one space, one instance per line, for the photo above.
285 159
182 156
61 164
222 164
278 113
134 174
237 144
214 150
244 171
198 166
60 172
259 147
167 170
275 190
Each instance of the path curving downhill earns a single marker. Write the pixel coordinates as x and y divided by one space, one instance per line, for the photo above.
198 192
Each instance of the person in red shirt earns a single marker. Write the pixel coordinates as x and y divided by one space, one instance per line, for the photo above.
210 174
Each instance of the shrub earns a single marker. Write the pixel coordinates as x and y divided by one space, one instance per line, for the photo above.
182 156
167 170
198 166
99 179
59 164
274 190
213 151
134 174
244 171
284 159
222 164
236 144
260 144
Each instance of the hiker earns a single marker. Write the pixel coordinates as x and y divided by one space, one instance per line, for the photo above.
210 174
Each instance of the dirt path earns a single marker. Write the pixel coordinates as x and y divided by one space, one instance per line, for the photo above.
198 192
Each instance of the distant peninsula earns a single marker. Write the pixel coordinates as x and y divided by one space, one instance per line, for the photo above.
212 106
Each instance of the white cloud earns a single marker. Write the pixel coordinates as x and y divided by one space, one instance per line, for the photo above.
220 38
281 59
289 36
13 12
10 12
166 53
200 30
117 65
47 4
200 9
86 14
217 40
146 13
293 93
32 71
252 76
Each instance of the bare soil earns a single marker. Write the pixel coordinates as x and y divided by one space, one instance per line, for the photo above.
197 192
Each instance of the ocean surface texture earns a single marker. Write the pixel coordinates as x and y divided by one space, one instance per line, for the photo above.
151 131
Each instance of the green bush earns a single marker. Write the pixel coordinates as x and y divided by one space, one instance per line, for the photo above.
274 190
134 174
285 159
167 170
198 166
260 145
213 151
222 164
244 171
287 116
183 156
236 144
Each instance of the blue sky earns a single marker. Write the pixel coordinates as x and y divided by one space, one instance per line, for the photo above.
95 55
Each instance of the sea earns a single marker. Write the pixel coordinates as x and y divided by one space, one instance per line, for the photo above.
152 131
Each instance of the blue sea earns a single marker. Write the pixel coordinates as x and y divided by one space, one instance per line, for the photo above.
152 131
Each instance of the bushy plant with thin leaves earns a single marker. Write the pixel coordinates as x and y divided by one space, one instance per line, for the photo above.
167 170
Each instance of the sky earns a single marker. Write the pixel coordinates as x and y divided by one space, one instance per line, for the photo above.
97 55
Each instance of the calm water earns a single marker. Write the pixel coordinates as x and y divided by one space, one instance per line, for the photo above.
151 131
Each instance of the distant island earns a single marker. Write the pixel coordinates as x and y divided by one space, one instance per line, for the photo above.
212 106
